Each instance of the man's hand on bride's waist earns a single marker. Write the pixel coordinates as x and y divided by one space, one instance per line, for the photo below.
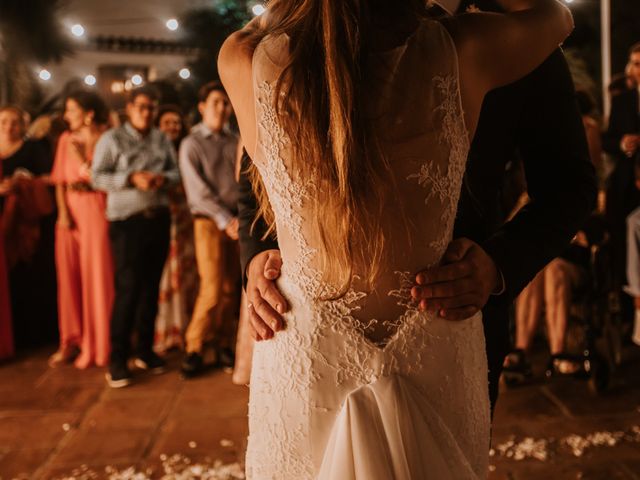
461 285
264 301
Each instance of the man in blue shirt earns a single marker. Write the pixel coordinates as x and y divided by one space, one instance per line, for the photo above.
136 165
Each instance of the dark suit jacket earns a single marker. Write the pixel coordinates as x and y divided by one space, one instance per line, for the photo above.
624 119
622 194
538 118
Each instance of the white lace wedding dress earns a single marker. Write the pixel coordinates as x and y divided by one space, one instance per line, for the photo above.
331 397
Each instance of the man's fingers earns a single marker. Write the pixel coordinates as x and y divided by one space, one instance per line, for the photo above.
459 313
451 303
445 273
273 265
274 298
262 329
268 315
445 289
457 250
253 333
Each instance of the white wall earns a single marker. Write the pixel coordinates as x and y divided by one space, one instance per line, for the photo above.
124 18
87 62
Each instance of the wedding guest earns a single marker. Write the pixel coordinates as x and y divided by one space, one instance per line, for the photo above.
136 165
551 294
27 224
169 121
7 348
83 253
548 294
622 140
179 283
633 270
207 164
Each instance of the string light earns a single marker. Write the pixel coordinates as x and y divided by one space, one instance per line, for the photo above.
258 9
45 75
172 24
77 30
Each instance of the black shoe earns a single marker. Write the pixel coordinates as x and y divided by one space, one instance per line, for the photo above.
517 369
192 364
151 362
225 358
118 376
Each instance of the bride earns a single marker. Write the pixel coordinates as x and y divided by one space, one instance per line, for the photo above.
357 115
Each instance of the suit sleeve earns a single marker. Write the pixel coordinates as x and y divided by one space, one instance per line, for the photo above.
560 178
612 137
251 242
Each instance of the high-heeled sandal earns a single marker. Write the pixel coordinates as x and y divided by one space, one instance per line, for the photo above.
563 364
516 368
63 356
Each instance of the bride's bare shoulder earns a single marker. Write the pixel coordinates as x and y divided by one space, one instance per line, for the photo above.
235 56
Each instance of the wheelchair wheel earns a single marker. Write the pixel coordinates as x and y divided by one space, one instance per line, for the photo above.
512 380
599 374
612 332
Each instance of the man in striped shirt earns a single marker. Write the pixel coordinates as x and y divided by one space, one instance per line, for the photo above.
135 164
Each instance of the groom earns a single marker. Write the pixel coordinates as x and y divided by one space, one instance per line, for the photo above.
488 263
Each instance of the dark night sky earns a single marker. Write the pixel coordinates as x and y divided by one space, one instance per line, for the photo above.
625 31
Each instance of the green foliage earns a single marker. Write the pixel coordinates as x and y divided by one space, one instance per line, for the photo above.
207 28
625 29
581 74
31 30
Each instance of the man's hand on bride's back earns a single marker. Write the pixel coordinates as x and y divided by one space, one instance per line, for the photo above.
265 302
461 286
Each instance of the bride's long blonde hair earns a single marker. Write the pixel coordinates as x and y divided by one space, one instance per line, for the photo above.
320 105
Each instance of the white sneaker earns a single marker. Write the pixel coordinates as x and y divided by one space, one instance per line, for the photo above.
117 383
635 337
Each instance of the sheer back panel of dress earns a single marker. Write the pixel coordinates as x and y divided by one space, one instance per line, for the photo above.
413 98
373 350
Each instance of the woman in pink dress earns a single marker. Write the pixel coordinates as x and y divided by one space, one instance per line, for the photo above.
83 253
6 331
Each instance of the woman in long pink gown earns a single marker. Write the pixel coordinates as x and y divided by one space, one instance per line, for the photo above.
83 253
9 122
6 330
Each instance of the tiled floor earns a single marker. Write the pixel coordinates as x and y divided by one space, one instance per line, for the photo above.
63 423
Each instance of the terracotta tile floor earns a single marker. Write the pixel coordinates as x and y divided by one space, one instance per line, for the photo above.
63 423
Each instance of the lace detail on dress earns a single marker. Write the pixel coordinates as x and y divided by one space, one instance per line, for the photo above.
301 378
359 359
293 346
444 181
286 196
403 292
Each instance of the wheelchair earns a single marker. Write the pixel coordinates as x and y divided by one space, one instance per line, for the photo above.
595 318
594 331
